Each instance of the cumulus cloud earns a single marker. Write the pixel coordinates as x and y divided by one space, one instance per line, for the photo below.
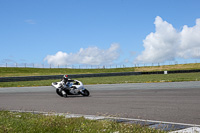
89 56
190 41
167 43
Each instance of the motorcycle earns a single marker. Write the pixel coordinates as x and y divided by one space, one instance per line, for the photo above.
75 88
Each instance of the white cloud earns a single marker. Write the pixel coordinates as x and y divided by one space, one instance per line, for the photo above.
167 43
190 41
89 56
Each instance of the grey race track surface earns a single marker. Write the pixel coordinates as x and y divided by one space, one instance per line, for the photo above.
172 102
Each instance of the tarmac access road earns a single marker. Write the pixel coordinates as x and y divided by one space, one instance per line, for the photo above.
172 102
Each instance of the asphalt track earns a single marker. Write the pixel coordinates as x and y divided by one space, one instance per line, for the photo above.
173 102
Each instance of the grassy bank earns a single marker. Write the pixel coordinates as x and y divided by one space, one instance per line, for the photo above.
11 72
115 80
191 66
34 123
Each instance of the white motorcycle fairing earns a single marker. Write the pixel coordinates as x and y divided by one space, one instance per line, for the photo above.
75 88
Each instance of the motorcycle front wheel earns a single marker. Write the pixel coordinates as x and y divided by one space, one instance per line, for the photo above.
85 93
59 92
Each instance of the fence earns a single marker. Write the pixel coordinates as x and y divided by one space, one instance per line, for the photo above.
33 65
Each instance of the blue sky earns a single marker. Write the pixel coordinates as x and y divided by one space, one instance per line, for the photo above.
99 32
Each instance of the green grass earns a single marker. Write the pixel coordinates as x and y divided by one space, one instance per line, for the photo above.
143 78
192 66
11 72
115 80
11 122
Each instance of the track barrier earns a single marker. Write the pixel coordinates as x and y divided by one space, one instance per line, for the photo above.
33 78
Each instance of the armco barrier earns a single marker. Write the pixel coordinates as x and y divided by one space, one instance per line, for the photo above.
184 71
32 78
175 71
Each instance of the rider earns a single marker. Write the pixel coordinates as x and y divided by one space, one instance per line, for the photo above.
65 82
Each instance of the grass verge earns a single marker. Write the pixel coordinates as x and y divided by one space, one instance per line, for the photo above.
152 78
11 72
31 123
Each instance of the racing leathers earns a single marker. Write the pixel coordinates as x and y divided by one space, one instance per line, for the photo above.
65 84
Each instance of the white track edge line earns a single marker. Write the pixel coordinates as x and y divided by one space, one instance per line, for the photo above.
103 117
